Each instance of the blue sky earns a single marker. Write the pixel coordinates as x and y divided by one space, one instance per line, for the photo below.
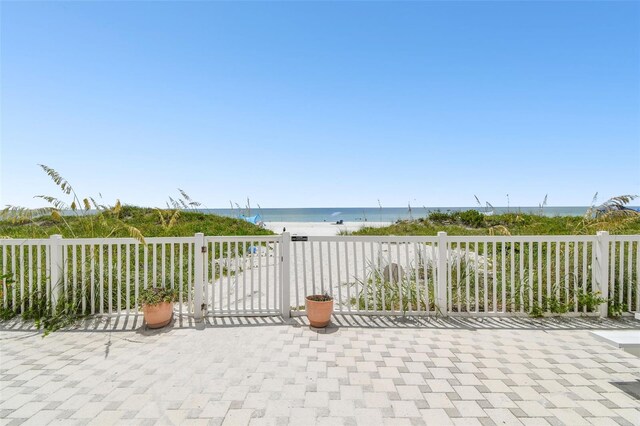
322 103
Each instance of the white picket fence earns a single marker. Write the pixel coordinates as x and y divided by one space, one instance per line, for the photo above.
378 275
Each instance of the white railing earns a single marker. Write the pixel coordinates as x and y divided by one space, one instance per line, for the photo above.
377 275
95 275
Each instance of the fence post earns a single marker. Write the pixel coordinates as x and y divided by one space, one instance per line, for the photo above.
285 281
441 290
601 274
56 269
199 256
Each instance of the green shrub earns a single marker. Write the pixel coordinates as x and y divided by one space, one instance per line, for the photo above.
472 218
616 309
157 295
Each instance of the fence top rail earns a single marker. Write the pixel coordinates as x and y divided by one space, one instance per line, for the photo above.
124 240
24 241
625 238
244 238
370 238
521 238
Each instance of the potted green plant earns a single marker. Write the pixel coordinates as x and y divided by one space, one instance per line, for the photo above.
157 305
319 309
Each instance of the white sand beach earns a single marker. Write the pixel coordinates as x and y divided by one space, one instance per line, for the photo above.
320 228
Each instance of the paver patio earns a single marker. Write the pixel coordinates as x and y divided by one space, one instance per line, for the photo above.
277 374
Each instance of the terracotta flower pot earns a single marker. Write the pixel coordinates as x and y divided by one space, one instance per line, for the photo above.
319 313
159 315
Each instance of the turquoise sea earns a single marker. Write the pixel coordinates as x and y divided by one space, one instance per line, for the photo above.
376 214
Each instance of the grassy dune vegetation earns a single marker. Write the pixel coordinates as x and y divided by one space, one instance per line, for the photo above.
125 221
84 217
472 222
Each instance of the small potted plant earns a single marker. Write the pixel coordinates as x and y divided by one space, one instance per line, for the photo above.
157 305
319 309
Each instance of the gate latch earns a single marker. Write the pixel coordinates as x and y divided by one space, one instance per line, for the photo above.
299 238
203 249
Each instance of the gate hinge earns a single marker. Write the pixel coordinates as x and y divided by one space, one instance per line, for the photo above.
203 249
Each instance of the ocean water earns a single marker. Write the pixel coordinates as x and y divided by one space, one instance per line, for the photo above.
373 214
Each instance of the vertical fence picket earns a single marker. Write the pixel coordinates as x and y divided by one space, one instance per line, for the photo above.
172 269
277 288
585 247
407 279
119 276
321 263
304 273
30 269
575 276
221 275
365 281
565 277
494 278
127 279
101 261
190 254
154 265
236 271
146 265
449 276
467 277
40 251
548 266
110 277
21 256
356 281
136 278
329 262
629 275
312 266
503 274
612 270
530 251
476 270
5 297
375 268
390 268
228 274
638 276
416 272
74 275
252 258
512 261
485 277
83 279
180 277
93 279
399 277
346 266
163 260
621 271
244 276
539 274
